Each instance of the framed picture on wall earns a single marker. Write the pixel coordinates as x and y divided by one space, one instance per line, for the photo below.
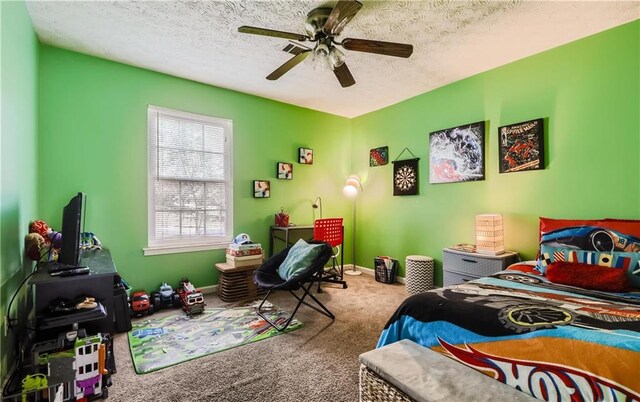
261 189
285 170
521 146
379 156
305 156
457 154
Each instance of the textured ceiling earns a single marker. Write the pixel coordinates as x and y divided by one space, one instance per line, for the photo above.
199 41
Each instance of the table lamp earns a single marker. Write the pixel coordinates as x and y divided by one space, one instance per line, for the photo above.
489 234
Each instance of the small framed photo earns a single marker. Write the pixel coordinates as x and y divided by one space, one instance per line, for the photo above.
285 170
305 156
261 189
379 156
521 146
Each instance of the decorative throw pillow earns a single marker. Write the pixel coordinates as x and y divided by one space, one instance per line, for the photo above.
629 263
588 276
300 256
597 235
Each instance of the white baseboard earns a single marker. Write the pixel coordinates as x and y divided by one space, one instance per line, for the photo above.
365 270
370 271
209 289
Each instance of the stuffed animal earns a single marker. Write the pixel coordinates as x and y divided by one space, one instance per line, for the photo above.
42 243
38 250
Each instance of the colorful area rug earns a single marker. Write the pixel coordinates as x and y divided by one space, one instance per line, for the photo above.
161 342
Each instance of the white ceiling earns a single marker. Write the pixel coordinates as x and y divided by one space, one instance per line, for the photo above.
199 41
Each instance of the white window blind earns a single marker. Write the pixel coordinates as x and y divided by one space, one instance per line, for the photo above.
190 182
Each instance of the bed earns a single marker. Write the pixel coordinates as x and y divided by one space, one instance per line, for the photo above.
552 341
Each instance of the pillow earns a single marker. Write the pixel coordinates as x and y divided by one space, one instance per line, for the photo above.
596 235
588 276
300 256
629 263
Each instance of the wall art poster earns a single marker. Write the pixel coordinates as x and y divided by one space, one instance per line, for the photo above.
405 177
379 156
261 189
522 146
285 170
457 154
305 156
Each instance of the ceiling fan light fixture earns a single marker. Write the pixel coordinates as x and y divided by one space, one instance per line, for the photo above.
336 57
320 59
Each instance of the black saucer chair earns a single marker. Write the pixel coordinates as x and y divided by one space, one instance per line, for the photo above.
267 277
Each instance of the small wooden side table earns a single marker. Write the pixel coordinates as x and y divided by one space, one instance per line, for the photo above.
236 283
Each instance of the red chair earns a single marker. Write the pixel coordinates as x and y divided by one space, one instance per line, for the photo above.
331 231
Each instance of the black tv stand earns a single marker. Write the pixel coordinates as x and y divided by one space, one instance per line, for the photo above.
97 283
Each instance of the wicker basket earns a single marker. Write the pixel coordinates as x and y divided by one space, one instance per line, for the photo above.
375 389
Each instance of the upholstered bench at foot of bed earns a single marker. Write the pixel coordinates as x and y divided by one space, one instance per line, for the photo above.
406 371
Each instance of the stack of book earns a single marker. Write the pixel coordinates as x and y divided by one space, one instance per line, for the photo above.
244 255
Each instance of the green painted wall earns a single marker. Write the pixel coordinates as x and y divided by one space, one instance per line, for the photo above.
18 158
93 137
588 92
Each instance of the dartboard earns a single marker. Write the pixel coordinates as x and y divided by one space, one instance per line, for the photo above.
405 178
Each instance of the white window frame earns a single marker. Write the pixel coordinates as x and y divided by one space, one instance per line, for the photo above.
163 246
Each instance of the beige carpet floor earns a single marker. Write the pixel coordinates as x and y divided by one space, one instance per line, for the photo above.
316 363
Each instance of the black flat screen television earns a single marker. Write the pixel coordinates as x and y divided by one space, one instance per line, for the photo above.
72 217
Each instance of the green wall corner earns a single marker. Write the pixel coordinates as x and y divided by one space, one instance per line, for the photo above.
588 94
18 160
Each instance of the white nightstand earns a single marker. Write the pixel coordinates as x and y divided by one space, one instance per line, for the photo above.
459 266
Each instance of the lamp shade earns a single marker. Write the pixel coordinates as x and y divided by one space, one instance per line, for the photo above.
352 186
489 234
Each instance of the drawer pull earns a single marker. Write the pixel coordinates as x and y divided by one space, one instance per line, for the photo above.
467 260
466 280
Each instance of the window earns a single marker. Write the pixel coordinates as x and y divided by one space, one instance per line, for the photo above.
189 182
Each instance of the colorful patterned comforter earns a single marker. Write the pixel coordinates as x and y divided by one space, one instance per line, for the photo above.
555 342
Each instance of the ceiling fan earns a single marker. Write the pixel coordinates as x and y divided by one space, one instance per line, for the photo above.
323 25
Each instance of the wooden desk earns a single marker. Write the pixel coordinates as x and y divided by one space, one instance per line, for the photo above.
289 235
237 283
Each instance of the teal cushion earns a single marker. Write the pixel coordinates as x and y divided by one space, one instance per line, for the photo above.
300 257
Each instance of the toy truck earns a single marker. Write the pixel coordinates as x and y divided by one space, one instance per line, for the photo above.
191 298
140 303
165 297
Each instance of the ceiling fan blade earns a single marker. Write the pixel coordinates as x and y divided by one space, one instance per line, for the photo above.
379 47
341 14
295 48
272 33
344 75
291 63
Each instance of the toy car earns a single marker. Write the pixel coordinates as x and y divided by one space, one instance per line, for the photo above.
165 297
140 303
191 298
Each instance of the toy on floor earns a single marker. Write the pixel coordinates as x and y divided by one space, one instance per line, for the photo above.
140 304
165 297
81 364
191 298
